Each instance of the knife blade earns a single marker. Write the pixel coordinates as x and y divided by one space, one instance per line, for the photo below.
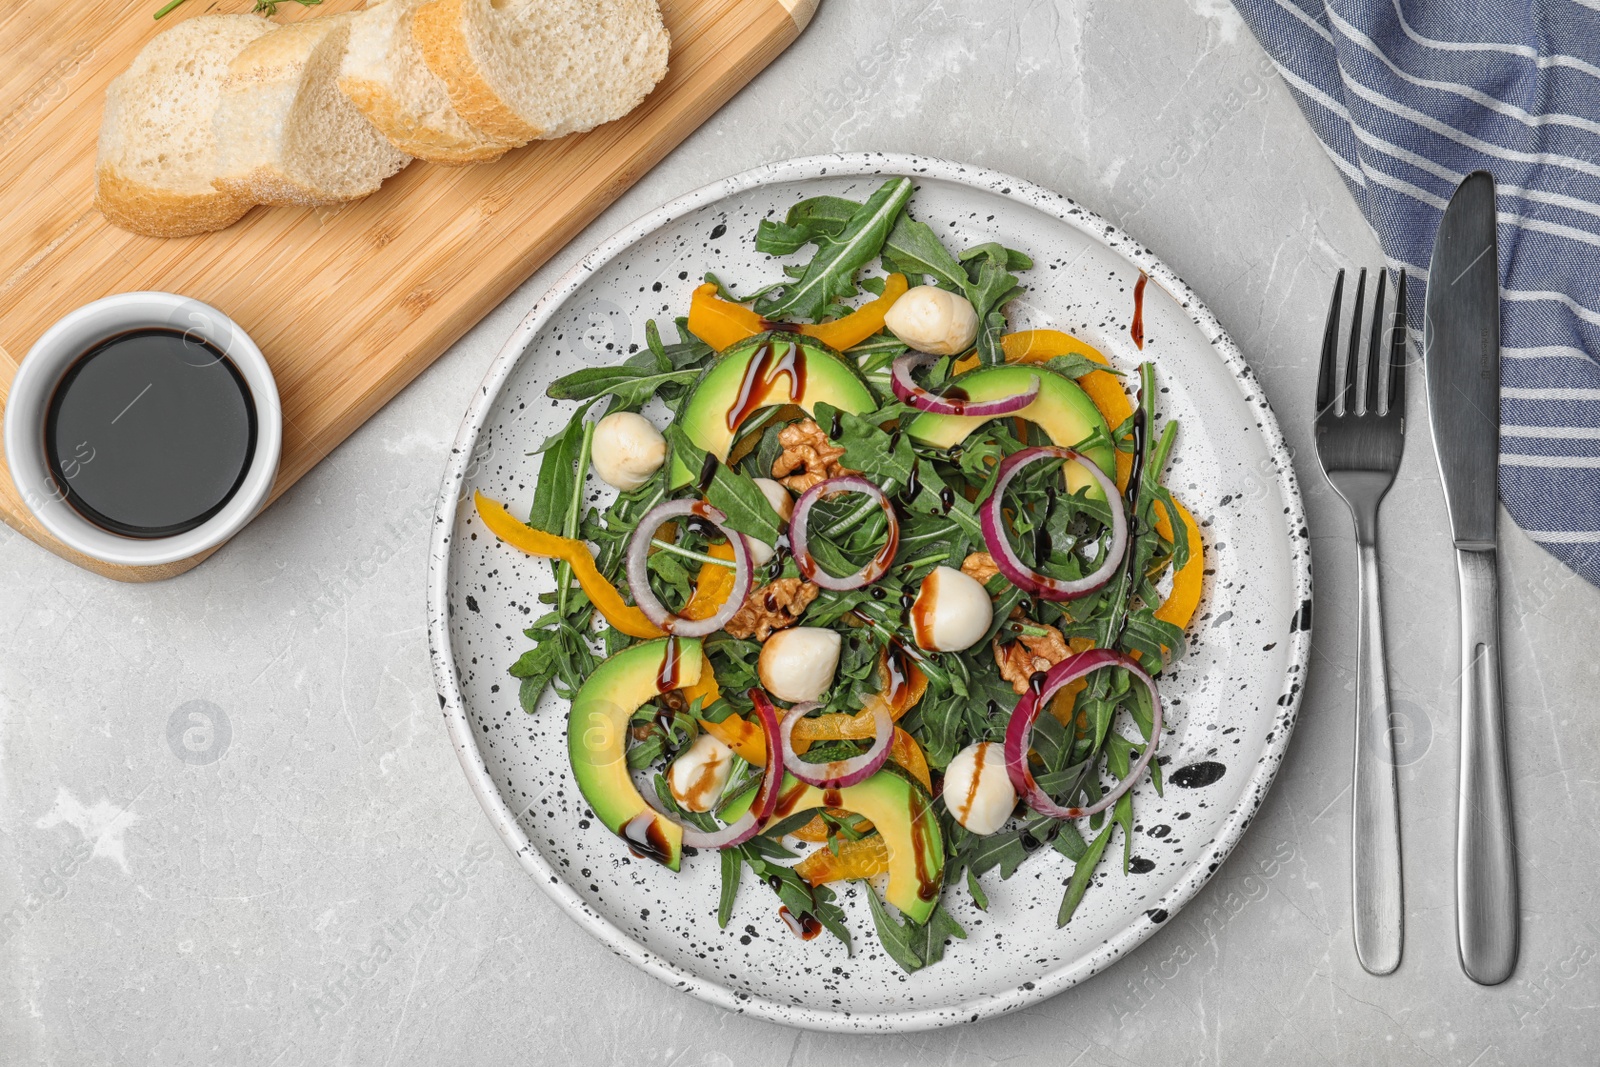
1461 353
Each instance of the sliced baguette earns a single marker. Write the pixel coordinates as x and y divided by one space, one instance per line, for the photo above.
522 70
285 133
384 75
157 154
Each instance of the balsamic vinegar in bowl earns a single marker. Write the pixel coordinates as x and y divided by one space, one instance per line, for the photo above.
150 432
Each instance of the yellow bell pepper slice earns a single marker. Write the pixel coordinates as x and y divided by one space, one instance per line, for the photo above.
711 589
741 735
1184 600
861 323
601 593
862 724
706 689
856 859
906 752
712 586
722 324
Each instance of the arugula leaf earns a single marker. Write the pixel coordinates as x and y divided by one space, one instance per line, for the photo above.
979 897
990 287
629 386
536 667
1119 754
1080 876
940 718
736 494
732 868
927 940
1076 365
558 482
819 217
590 381
687 351
831 274
1069 842
1004 851
1010 258
891 458
913 249
798 896
899 940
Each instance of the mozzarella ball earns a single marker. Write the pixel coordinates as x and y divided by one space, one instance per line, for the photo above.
627 450
798 664
783 504
699 774
977 789
952 611
934 320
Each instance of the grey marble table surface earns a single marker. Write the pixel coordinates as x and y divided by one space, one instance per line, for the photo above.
309 879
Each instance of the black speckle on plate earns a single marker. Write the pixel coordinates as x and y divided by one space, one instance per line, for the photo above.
1197 775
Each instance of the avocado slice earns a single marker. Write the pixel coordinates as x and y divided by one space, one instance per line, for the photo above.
764 371
597 739
899 809
1062 409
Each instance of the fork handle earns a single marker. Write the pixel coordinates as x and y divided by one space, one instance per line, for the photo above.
1376 893
1486 872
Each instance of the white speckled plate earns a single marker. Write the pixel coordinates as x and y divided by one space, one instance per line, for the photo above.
1232 699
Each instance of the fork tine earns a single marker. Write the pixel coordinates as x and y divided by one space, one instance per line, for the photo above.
1375 347
1397 352
1352 365
1330 347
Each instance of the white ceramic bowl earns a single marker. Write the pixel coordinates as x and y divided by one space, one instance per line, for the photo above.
50 358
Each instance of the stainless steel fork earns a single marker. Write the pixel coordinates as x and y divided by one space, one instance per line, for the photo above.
1360 453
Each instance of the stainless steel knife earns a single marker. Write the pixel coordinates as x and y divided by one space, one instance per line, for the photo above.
1461 352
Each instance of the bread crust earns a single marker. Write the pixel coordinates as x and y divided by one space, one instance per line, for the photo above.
437 28
127 197
433 145
271 187
157 212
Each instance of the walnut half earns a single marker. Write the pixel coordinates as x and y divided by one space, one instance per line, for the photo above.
774 606
980 567
808 457
1029 653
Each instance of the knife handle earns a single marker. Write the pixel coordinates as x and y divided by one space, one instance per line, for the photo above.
1377 913
1486 873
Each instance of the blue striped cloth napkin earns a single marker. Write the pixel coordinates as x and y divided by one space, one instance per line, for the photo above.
1407 99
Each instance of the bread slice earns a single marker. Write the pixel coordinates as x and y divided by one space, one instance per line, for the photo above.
526 69
285 133
384 75
157 154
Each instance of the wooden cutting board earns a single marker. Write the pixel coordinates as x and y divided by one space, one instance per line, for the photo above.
348 303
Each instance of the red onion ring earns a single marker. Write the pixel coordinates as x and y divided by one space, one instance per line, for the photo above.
639 571
839 774
749 824
1006 558
799 544
1019 731
909 392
